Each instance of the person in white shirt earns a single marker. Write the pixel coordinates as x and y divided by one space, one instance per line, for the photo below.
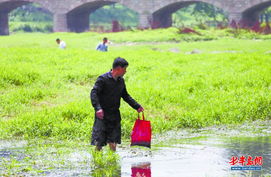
61 44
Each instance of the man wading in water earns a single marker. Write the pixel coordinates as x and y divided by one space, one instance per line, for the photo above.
105 98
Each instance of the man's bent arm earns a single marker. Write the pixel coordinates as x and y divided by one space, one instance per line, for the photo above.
127 98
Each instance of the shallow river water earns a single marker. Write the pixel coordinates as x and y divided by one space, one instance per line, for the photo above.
204 152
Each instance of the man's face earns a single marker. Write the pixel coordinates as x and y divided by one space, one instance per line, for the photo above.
121 71
57 41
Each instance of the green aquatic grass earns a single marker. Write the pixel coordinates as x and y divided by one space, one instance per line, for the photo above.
105 163
37 157
44 91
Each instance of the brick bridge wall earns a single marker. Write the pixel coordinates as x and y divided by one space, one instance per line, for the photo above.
73 15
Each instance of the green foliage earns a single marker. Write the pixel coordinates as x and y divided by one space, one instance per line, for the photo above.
107 14
29 26
105 163
64 122
44 91
198 14
9 166
17 75
104 159
265 15
30 12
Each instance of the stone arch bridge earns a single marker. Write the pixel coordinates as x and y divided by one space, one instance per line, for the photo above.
73 15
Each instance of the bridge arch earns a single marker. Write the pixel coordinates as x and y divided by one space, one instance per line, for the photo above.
73 13
162 14
78 13
7 6
78 18
251 14
131 4
162 4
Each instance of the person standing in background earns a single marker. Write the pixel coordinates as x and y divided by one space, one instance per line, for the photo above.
61 44
103 47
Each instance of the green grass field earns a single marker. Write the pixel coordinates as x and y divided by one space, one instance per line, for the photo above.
44 91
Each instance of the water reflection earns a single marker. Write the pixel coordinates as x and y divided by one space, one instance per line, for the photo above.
141 169
201 157
101 172
5 154
197 154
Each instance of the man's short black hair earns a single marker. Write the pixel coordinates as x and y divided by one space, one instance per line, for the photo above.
57 39
105 38
120 62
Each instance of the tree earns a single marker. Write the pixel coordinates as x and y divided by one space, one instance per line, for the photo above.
208 11
265 15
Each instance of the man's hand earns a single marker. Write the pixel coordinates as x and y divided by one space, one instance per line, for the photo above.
100 114
141 109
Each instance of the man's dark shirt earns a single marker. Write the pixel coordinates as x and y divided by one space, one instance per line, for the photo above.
107 92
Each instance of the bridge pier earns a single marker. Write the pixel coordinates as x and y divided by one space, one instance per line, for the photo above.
72 16
61 23
235 18
243 19
145 20
4 28
78 22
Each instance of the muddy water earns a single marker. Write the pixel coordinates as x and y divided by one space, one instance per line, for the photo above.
205 152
